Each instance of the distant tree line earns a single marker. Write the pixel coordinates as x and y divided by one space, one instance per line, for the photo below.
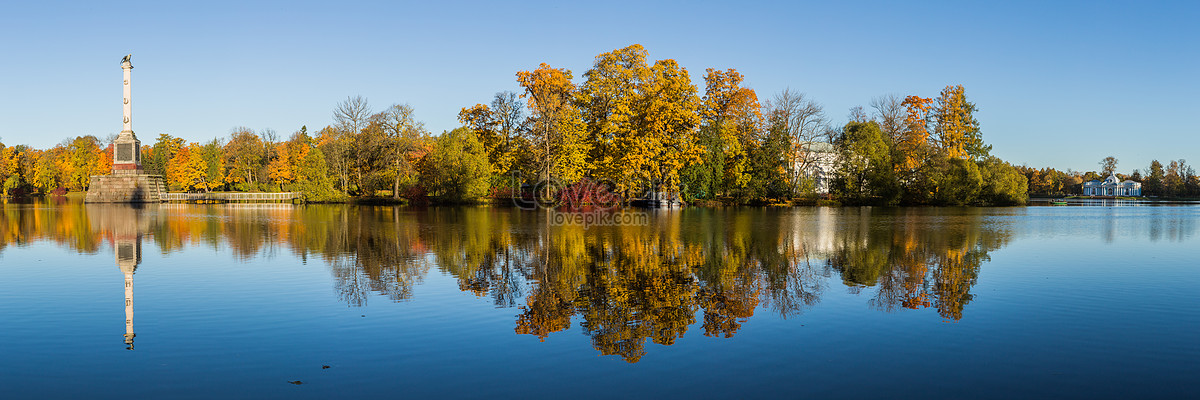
1176 179
65 167
636 123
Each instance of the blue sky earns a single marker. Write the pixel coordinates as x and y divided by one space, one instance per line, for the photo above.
1059 84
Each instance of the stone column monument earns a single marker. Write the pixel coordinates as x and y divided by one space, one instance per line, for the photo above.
127 155
128 182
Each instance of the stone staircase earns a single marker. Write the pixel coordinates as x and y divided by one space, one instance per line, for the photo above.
126 188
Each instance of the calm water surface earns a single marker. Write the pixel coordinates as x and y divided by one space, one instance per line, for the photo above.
241 301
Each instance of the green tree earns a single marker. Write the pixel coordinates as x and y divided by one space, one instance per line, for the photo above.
768 166
959 183
865 171
214 164
1003 184
1153 186
313 177
457 168
161 153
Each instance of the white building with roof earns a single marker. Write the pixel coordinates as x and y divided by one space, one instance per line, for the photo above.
1112 187
817 160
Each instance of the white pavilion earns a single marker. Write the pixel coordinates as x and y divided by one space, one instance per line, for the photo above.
1112 187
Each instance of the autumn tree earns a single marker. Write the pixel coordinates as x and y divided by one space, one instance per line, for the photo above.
187 169
244 156
498 127
571 147
641 120
46 169
335 145
667 140
481 121
729 132
956 130
280 169
608 100
85 158
912 142
6 168
549 92
14 168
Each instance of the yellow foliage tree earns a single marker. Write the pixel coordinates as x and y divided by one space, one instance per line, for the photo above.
733 115
550 94
572 147
641 120
670 119
187 169
281 170
609 100
957 130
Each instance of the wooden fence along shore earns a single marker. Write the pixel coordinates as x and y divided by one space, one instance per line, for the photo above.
232 197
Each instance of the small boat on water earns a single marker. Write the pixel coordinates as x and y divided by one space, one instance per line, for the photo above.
1058 202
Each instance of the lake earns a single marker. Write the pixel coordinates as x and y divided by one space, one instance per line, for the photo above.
317 301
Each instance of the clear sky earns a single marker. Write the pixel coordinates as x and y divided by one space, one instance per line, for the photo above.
1059 84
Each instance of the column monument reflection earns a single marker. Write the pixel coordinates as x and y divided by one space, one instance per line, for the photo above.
123 226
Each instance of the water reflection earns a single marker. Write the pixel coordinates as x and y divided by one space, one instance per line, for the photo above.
623 286
123 226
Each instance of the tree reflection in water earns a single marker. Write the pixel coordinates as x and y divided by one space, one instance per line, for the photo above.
623 285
